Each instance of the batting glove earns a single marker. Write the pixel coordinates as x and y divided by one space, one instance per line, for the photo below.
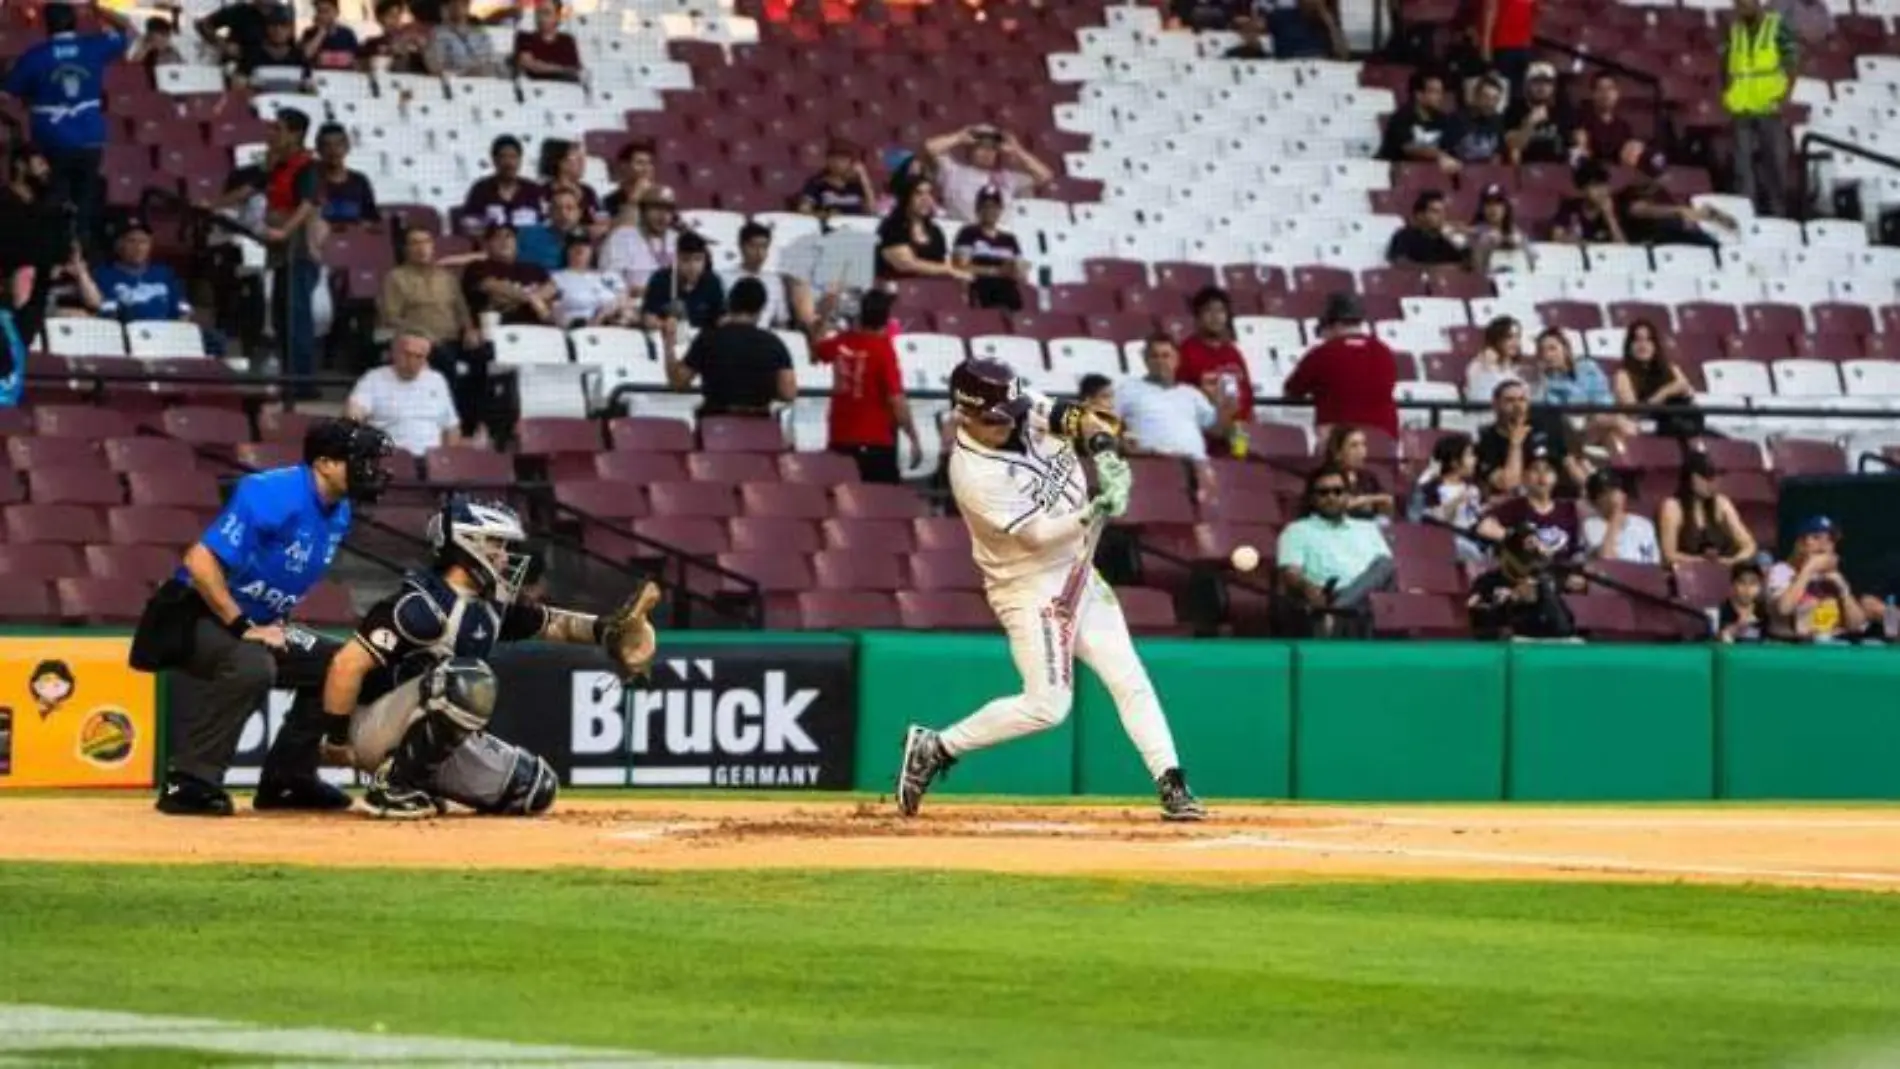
1115 481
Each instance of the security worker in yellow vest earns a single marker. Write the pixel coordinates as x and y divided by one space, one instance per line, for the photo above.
1761 63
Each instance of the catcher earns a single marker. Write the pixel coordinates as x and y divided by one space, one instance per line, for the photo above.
409 697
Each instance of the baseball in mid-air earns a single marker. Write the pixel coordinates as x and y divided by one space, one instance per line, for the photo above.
1245 558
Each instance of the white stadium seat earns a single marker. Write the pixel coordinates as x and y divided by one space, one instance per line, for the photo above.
85 337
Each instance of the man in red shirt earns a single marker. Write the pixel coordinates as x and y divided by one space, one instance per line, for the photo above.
868 406
1505 28
1351 375
1211 361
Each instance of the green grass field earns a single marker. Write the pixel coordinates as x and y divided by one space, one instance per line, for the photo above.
969 970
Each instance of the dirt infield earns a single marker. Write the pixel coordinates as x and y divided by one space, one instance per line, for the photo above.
1809 846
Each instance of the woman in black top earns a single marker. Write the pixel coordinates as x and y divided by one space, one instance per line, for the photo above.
910 244
1700 522
1647 377
1366 497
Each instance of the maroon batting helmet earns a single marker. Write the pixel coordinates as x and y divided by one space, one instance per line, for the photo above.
987 391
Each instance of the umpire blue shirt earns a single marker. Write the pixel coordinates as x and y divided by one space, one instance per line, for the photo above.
62 80
275 538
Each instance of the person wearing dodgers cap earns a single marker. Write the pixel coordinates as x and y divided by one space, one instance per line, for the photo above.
1808 596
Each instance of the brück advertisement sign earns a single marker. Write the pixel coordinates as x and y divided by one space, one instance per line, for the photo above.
713 714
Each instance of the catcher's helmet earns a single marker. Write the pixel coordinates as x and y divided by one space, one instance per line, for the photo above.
987 391
361 447
486 539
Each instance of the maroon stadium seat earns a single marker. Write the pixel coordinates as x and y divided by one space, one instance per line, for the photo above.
650 434
468 464
81 421
149 454
42 561
549 436
15 421
1648 578
775 573
772 534
944 610
68 524
1702 583
878 536
1158 503
75 486
601 498
1418 616
1571 315
877 501
731 467
266 455
944 569
1148 611
191 489
941 532
854 569
693 499
1732 454
836 610
741 434
100 601
700 535
138 525
146 565
1278 442
25 600
1796 456
820 469
32 453
1767 318
1082 300
1708 317
1116 274
788 500
1650 453
326 605
641 468
202 425
1603 615
1837 318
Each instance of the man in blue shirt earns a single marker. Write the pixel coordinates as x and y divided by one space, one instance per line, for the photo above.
136 288
62 82
223 619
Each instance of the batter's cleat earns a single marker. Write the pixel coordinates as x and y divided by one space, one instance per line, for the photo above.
924 760
188 796
303 792
1177 802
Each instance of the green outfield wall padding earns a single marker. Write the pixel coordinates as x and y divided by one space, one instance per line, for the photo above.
1601 723
1229 705
936 680
1398 721
1807 722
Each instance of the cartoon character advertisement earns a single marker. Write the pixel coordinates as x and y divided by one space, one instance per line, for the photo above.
72 714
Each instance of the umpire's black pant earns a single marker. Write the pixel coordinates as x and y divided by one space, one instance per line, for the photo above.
238 678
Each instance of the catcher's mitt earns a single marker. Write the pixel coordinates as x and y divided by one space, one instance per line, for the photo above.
628 636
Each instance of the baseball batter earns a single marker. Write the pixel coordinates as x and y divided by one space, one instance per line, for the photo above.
1022 488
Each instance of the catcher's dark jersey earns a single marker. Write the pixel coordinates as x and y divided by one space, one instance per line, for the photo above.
426 622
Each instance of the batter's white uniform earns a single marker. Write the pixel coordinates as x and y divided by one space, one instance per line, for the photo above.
1033 538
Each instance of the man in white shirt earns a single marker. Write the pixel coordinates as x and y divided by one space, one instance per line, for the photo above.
996 161
1163 417
788 302
407 400
641 241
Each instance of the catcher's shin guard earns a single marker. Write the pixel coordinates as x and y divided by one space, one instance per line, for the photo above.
458 697
496 777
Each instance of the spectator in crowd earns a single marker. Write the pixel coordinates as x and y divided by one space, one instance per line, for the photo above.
328 44
73 294
843 187
1609 137
641 241
1202 14
1700 522
1350 375
1212 361
910 244
1505 28
1646 376
1541 130
1565 380
399 48
1500 360
1810 600
1096 392
235 28
290 202
275 63
1652 215
548 54
586 296
1366 496
344 196
133 287
1428 240
635 174
742 367
1616 533
1743 615
422 297
521 294
1448 491
1301 29
1558 525
1591 217
503 198
1495 228
788 300
992 255
687 290
158 46
459 46
1164 416
545 245
563 165
61 80
996 160
1477 136
1762 59
1506 446
1330 563
1421 131
406 398
1252 43
1520 597
38 238
868 406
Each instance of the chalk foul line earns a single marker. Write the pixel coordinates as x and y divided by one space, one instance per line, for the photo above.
50 1029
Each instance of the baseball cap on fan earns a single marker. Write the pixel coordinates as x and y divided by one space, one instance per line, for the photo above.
1540 71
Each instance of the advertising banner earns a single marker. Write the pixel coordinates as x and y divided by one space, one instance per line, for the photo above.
72 714
749 715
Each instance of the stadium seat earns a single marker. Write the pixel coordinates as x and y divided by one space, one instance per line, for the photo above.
944 610
741 434
697 500
773 534
467 464
149 454
867 535
857 569
838 610
784 500
27 601
731 467
67 524
603 499
640 468
877 501
173 528
215 427
944 569
75 486
941 533
100 601
189 488
650 434
81 421
1418 616
41 562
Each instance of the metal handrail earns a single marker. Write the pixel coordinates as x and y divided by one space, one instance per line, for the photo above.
682 561
1658 108
1806 155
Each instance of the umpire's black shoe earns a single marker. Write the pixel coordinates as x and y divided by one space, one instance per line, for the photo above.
305 792
189 796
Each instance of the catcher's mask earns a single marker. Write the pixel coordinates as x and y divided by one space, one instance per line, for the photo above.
487 540
363 449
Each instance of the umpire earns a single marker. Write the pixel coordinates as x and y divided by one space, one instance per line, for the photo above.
222 620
